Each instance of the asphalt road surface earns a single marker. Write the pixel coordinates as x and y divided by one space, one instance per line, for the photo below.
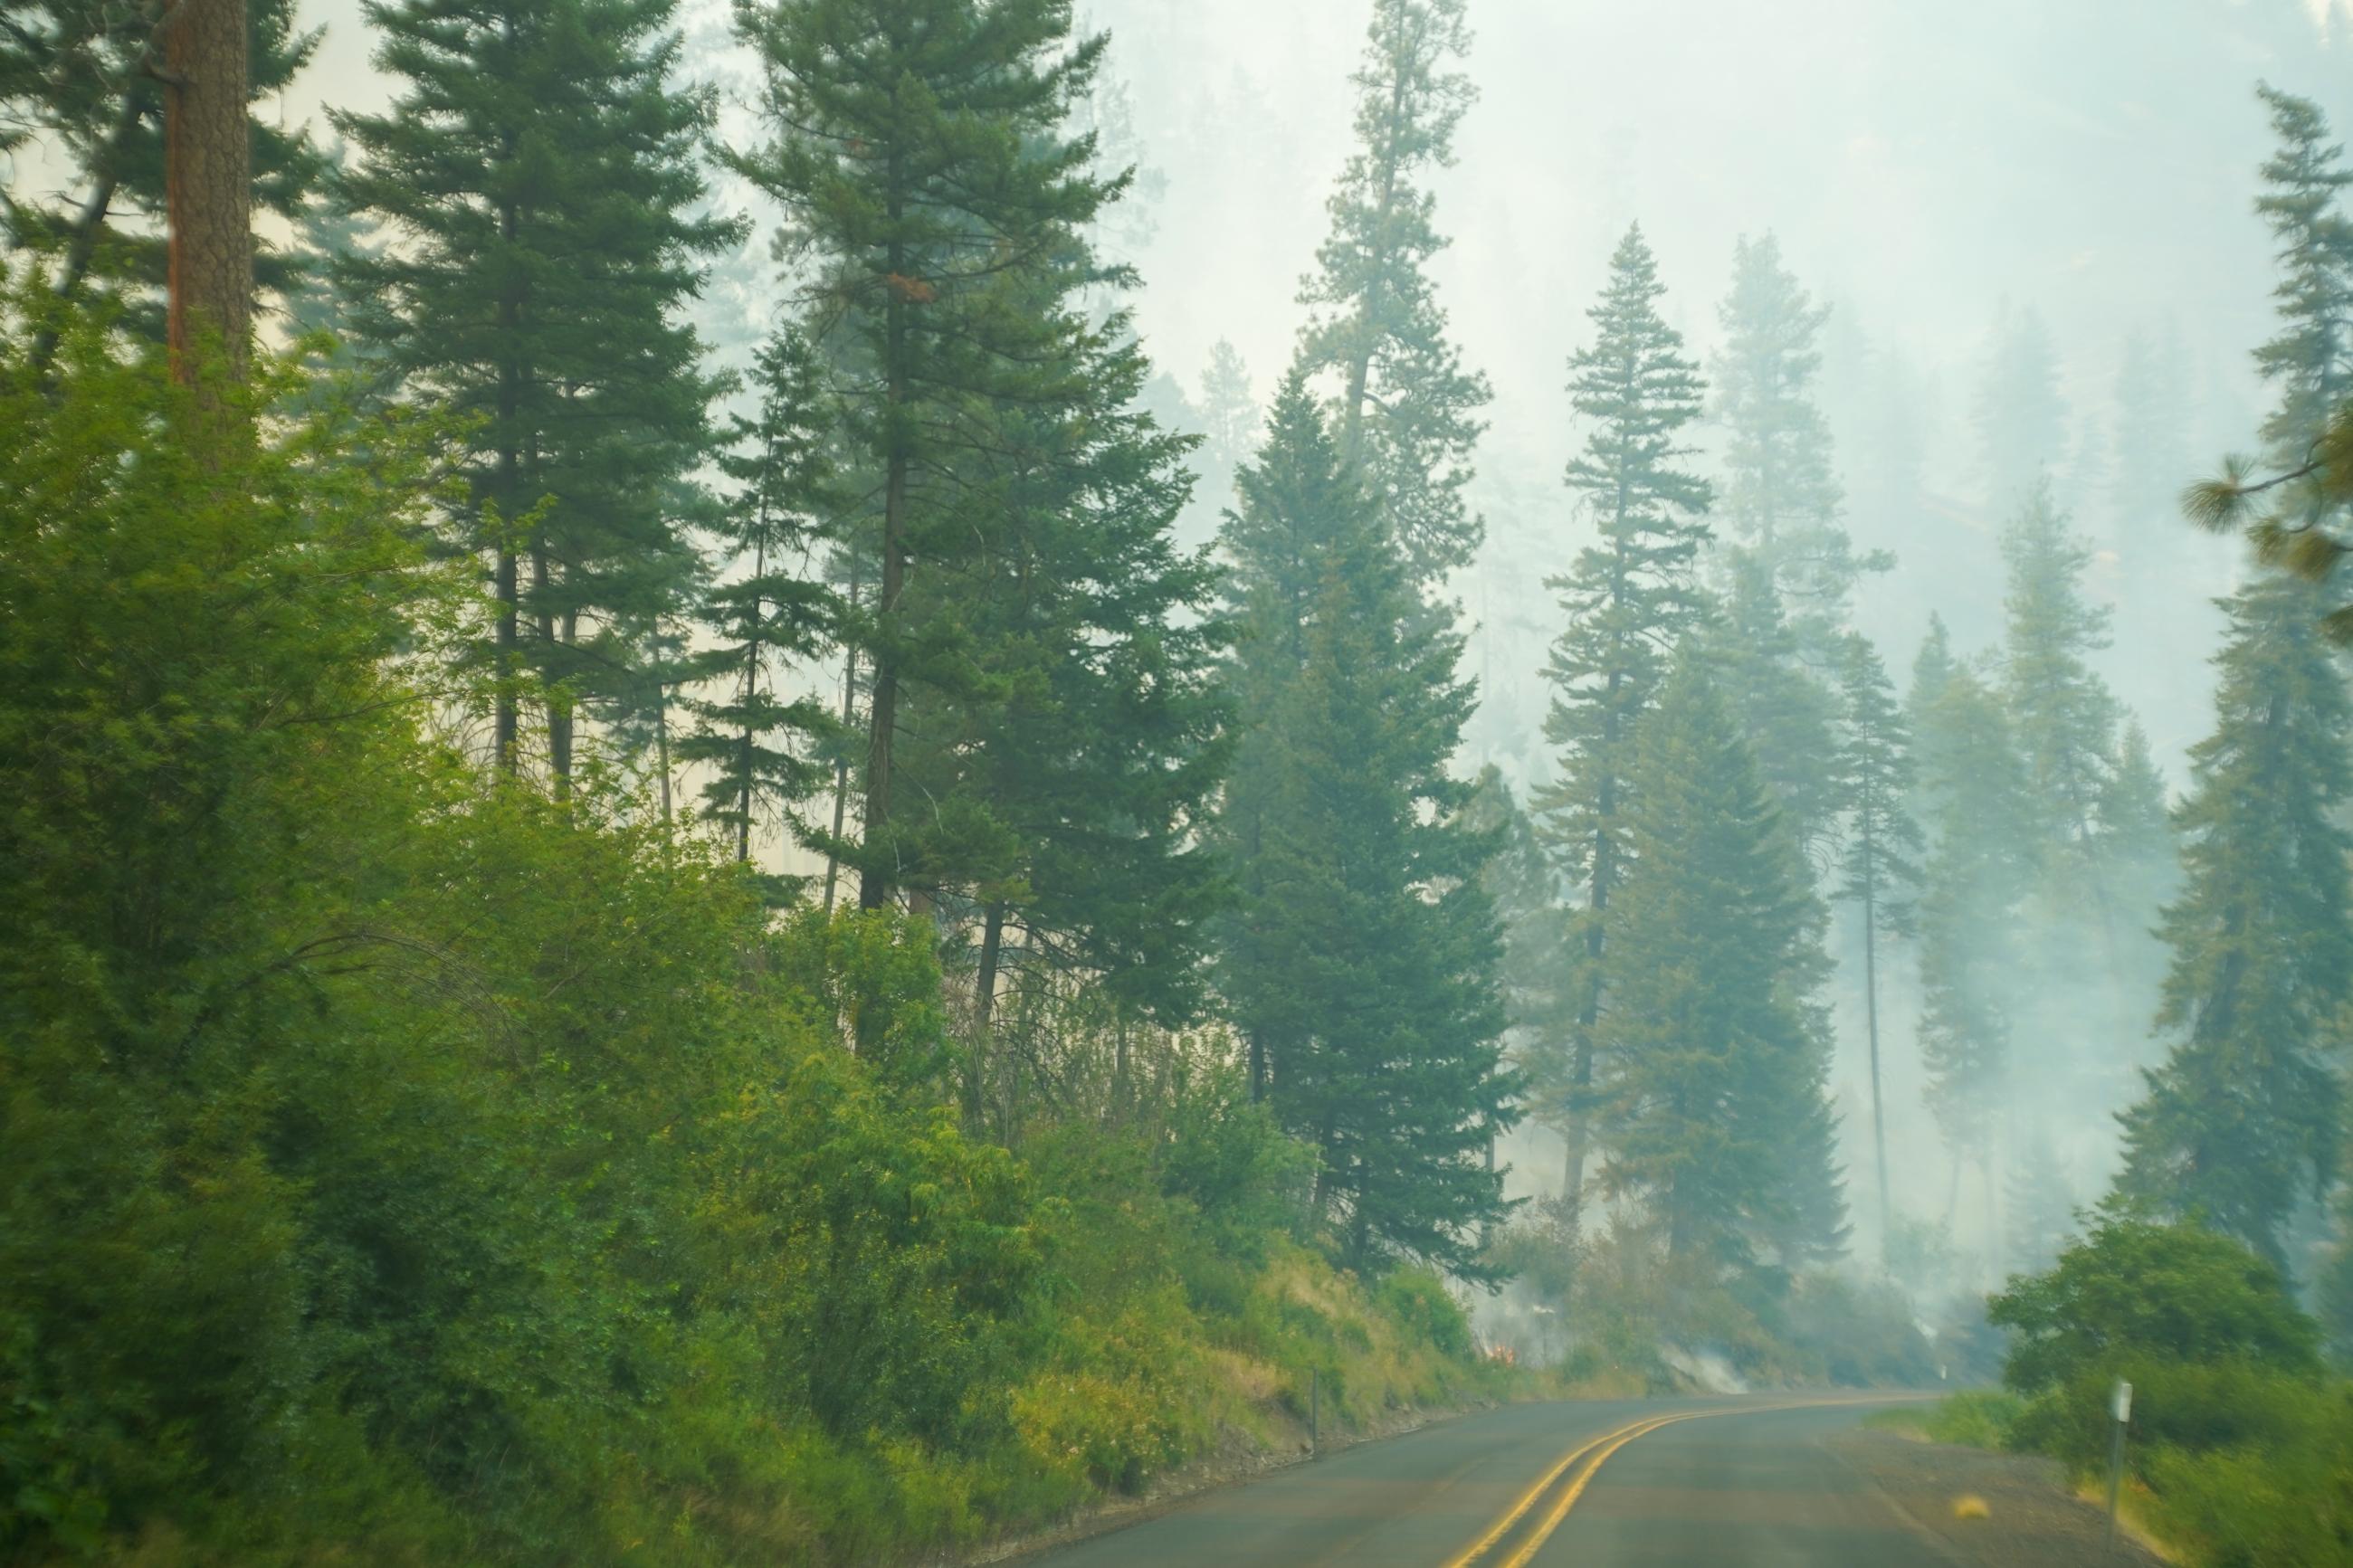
1732 1482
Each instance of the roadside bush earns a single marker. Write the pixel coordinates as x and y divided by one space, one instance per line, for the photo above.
2244 1447
1974 1418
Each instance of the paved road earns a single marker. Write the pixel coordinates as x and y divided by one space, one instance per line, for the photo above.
1690 1482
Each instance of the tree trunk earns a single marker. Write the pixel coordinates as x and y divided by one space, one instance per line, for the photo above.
841 764
507 708
661 741
874 879
1871 1013
558 706
208 187
992 947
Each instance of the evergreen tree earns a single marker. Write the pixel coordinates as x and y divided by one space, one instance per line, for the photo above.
87 82
1976 792
2021 418
2299 522
1711 1094
1787 715
1407 410
1539 963
2311 358
1780 501
2244 1111
2152 452
1627 599
1361 964
1229 425
920 156
2136 831
539 173
1879 871
1066 775
769 613
2062 715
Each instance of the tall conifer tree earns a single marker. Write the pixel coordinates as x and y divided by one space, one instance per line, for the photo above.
921 154
1362 962
538 175
770 613
1712 1085
1626 600
2243 1113
1780 502
1981 865
1406 409
1879 871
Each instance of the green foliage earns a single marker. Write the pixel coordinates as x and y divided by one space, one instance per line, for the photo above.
2242 1115
1623 603
2239 1447
540 168
2171 1294
1975 1418
1406 414
1780 499
1713 1104
399 1167
1362 962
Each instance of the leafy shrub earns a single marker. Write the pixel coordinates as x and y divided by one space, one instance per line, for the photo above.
2151 1293
1974 1418
1418 1300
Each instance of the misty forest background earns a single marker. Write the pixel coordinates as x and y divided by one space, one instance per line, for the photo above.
796 783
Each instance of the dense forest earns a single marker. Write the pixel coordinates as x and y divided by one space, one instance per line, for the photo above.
629 946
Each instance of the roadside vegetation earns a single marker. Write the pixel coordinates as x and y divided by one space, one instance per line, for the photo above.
2241 1443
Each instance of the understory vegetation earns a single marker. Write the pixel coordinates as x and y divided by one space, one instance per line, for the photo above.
404 1168
2240 1441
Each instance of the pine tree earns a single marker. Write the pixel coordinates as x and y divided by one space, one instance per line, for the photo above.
1879 871
1361 964
1539 964
920 156
1626 601
1975 794
768 615
1786 713
2152 451
1712 1088
2311 358
2136 827
2062 713
1780 501
91 83
2021 418
540 171
1230 426
1066 775
2243 1112
1406 410
2297 517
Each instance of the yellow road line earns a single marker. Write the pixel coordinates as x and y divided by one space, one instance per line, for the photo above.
1503 1527
1614 1441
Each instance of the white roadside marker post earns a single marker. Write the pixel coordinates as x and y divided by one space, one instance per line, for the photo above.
2120 1408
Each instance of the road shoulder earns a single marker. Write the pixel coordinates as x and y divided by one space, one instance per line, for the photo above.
1987 1509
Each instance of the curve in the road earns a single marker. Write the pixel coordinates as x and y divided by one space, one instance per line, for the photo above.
1607 1444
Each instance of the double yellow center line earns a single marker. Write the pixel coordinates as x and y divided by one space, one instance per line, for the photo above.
1599 1448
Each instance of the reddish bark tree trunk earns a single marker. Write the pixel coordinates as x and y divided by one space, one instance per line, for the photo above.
208 185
